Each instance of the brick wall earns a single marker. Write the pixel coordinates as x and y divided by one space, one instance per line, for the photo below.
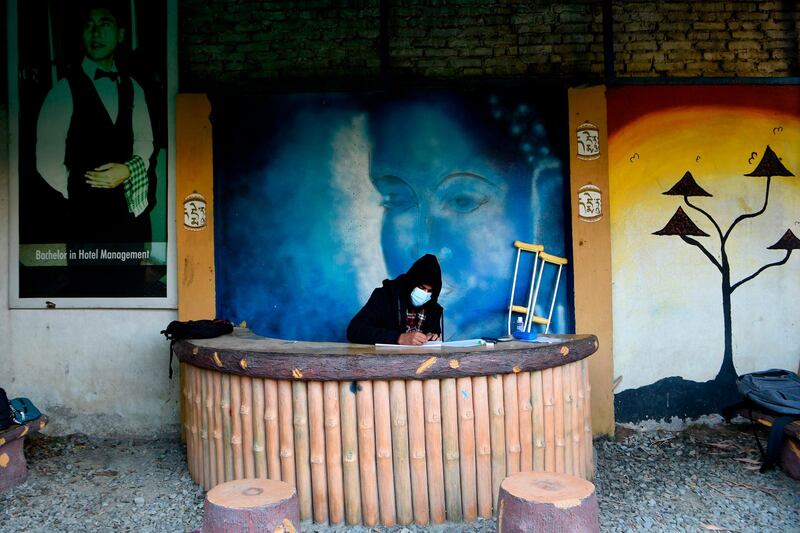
690 39
329 44
250 43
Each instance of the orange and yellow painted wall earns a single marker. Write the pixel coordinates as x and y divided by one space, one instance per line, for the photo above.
677 344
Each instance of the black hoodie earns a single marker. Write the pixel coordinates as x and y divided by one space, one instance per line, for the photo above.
383 318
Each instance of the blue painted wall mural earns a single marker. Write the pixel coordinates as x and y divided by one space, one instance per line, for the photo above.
319 197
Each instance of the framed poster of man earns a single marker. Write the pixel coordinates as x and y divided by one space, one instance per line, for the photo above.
91 92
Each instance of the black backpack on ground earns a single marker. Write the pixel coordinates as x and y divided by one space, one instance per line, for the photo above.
777 392
194 329
5 411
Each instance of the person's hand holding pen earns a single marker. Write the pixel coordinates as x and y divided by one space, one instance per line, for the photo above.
107 176
416 338
412 338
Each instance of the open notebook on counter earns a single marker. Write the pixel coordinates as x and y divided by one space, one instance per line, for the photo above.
466 343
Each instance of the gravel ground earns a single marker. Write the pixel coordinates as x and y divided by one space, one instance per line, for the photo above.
700 479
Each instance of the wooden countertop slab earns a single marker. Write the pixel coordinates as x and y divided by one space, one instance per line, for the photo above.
245 353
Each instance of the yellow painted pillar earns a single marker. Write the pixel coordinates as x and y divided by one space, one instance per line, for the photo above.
195 189
591 242
195 214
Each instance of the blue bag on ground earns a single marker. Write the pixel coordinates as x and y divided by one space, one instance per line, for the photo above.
23 410
776 390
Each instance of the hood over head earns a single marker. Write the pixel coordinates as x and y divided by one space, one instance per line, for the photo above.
425 270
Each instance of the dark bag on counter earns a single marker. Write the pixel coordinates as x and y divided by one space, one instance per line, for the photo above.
194 329
197 329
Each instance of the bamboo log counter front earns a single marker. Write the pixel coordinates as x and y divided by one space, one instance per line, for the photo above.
392 436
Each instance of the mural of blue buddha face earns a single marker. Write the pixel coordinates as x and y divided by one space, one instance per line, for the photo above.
338 192
444 194
461 183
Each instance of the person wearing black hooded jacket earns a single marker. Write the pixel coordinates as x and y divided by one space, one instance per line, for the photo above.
405 310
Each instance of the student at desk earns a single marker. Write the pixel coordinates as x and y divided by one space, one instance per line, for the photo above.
404 310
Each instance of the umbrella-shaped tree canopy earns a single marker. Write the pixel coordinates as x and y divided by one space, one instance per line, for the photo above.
770 165
787 242
681 224
687 186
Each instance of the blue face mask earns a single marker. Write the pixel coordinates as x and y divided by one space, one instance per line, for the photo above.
419 297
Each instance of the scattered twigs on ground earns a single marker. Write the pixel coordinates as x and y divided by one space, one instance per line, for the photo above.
662 441
726 446
759 488
716 489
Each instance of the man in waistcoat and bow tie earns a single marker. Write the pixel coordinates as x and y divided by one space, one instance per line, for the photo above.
94 143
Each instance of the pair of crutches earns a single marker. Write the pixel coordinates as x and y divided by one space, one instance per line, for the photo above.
540 259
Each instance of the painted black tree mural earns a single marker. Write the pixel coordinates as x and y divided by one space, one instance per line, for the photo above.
690 398
681 225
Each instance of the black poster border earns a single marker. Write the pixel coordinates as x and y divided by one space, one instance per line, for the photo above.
163 68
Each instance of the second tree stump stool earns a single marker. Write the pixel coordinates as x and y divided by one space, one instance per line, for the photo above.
13 466
534 502
251 506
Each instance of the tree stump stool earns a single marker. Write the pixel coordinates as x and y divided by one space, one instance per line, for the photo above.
535 502
13 466
251 506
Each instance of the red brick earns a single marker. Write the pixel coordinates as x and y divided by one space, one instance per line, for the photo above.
771 45
717 56
709 25
744 45
676 45
752 54
773 66
744 35
701 65
642 45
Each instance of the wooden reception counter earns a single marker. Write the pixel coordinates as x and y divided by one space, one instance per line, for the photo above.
367 436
